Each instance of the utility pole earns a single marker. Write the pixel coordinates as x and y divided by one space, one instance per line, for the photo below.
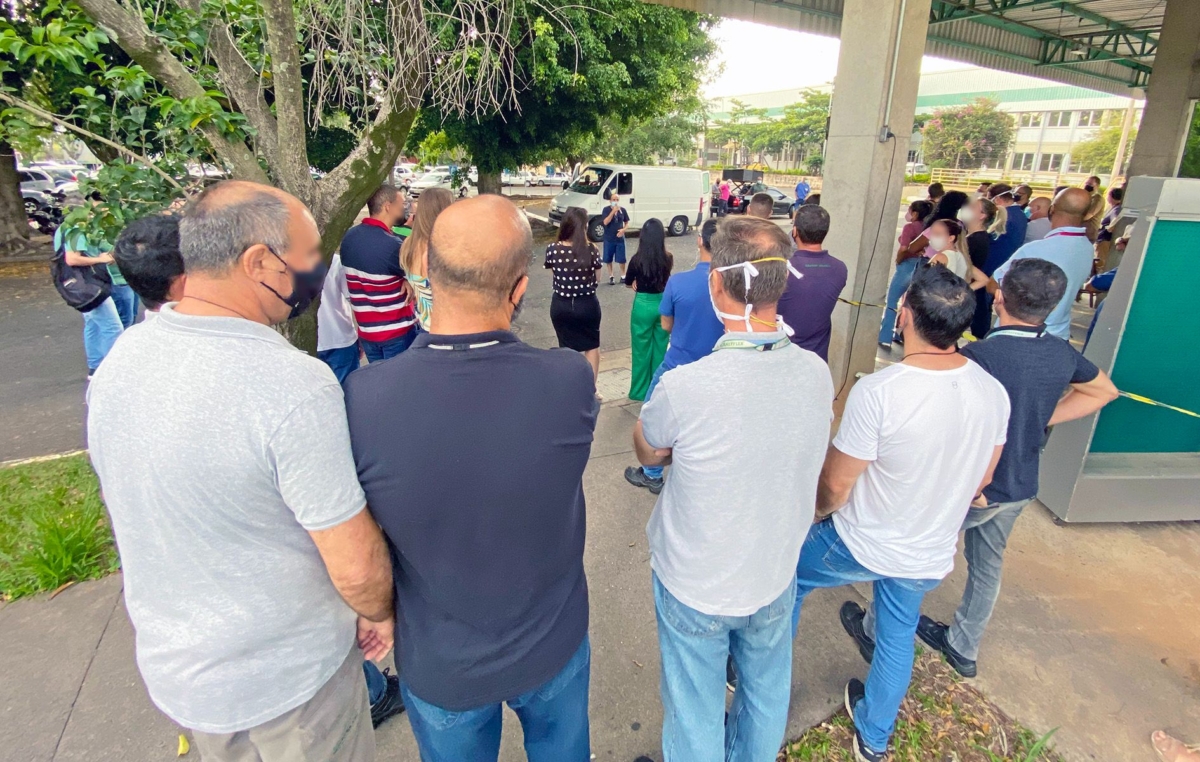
1123 145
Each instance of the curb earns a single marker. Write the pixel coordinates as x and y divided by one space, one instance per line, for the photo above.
40 458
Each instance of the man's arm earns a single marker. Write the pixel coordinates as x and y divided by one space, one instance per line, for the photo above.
647 454
357 560
981 500
1084 399
838 476
612 210
668 322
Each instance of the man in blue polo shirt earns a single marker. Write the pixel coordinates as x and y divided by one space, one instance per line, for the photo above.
1067 246
687 314
484 510
615 219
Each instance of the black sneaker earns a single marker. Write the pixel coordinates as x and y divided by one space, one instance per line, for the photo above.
637 477
390 704
856 692
731 679
852 622
934 635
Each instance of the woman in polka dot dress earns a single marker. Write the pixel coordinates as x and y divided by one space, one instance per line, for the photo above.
574 309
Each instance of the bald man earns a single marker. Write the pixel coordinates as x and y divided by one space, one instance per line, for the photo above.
483 504
254 577
1067 246
1039 219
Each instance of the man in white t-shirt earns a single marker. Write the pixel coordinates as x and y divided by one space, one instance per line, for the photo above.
917 443
735 509
337 331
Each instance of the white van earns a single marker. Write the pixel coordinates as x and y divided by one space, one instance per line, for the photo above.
677 196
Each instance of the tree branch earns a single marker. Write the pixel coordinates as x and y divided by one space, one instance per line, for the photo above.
128 29
282 43
242 83
89 135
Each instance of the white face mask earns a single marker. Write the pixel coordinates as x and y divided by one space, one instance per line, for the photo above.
940 243
748 273
966 214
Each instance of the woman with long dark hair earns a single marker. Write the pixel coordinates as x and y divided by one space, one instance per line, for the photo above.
945 209
647 274
574 308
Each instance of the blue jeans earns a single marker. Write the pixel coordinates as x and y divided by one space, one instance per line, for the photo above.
101 327
825 561
376 682
896 289
554 718
127 304
382 350
695 647
341 360
654 472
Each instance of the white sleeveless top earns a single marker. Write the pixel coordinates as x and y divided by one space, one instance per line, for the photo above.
957 263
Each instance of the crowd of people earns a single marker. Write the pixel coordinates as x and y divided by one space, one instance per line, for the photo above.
283 522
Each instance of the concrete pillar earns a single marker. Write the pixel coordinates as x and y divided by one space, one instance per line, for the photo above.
1174 84
881 46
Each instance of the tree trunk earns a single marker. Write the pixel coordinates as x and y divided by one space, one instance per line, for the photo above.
14 225
489 182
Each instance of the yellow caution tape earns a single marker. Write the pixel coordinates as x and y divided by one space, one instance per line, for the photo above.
184 746
853 303
1156 403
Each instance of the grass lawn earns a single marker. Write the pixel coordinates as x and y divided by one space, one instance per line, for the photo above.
53 528
942 718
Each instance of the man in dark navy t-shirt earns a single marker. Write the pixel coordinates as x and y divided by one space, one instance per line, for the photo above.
477 482
807 303
615 219
1035 369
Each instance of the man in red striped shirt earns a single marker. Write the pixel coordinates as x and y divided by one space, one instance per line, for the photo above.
375 280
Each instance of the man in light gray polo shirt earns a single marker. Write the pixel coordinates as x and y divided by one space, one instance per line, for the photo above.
736 507
224 459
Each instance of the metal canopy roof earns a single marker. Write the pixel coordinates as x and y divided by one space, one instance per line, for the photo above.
1106 45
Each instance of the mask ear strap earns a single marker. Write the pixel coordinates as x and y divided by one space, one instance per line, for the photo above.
794 271
783 326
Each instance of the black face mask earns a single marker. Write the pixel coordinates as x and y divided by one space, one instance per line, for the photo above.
305 287
520 302
1089 188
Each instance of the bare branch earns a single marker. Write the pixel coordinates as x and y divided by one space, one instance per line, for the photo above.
128 29
137 157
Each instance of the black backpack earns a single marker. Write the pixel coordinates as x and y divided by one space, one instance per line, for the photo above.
83 287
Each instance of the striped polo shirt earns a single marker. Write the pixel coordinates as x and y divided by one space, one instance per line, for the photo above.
375 282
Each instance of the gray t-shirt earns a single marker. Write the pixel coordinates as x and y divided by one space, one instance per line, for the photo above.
749 431
218 445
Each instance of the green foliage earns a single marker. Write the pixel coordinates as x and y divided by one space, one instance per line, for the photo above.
53 527
968 136
1098 153
616 60
801 127
816 164
329 146
1191 151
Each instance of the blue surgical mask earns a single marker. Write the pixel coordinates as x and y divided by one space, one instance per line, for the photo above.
1028 212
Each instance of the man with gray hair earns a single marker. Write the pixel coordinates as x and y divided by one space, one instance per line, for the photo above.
254 578
729 524
486 513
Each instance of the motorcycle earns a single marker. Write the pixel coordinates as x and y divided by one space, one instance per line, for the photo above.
47 218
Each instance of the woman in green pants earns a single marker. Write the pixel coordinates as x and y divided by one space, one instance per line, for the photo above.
647 274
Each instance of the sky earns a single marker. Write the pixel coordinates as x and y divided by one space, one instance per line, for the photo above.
759 58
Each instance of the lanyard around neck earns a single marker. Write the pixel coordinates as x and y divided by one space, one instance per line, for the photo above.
728 342
1016 332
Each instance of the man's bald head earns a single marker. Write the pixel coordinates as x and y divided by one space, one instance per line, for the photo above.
1071 204
480 245
1039 208
229 217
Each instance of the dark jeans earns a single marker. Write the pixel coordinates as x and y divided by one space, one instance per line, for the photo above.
554 718
982 322
341 360
382 350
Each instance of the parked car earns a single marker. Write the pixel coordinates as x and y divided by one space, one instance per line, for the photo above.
515 178
35 178
35 199
429 180
916 168
64 173
674 195
558 178
782 202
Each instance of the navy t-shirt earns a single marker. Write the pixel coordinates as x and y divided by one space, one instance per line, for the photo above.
479 490
619 219
1035 370
807 303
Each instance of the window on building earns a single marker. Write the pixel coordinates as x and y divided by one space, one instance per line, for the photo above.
1030 119
1023 162
1091 118
1050 162
1058 119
